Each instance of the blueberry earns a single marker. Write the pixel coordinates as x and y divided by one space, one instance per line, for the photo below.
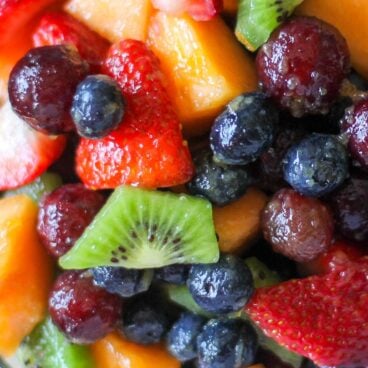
244 130
219 183
221 287
144 321
317 165
225 343
181 339
175 274
98 106
122 281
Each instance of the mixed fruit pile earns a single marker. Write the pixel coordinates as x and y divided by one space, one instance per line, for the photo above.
184 183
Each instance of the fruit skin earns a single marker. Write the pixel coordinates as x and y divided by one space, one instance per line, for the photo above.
25 280
226 343
321 317
221 287
59 28
42 84
114 351
317 165
147 150
219 183
296 226
175 274
98 106
244 130
197 68
308 82
84 312
35 151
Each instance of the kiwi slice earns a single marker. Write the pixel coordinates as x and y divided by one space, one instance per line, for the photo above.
257 19
262 275
44 184
46 347
140 229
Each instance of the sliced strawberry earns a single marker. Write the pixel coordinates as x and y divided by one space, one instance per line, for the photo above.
24 152
147 149
200 10
338 255
14 14
322 317
59 28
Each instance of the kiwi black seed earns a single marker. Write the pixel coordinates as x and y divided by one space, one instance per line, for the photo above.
140 229
257 19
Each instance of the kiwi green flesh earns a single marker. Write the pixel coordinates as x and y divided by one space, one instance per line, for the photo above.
141 229
257 19
262 275
46 347
44 184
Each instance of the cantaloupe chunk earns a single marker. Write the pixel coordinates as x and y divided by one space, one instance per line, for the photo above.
205 65
113 19
25 272
231 6
239 223
115 352
350 18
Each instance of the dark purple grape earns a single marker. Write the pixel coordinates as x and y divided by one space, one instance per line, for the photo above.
42 85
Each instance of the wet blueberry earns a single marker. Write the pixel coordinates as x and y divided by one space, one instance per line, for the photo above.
144 321
244 130
122 281
221 287
181 339
219 183
175 274
225 343
317 165
98 106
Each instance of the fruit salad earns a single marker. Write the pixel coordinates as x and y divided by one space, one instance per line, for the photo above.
184 184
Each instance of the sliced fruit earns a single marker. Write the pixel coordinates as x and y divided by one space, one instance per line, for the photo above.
44 184
257 19
321 317
34 152
205 66
147 149
114 19
25 272
239 223
350 18
231 6
47 347
146 229
115 352
59 28
262 275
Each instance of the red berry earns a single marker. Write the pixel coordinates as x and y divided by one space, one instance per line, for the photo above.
147 149
25 153
303 65
64 214
296 226
60 28
84 312
355 125
324 318
203 10
42 85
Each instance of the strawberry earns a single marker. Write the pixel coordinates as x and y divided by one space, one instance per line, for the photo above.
25 153
338 255
200 10
60 28
322 317
15 14
147 149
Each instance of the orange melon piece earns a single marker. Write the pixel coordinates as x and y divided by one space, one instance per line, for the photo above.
25 272
350 18
239 223
257 366
205 65
115 352
113 19
231 6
